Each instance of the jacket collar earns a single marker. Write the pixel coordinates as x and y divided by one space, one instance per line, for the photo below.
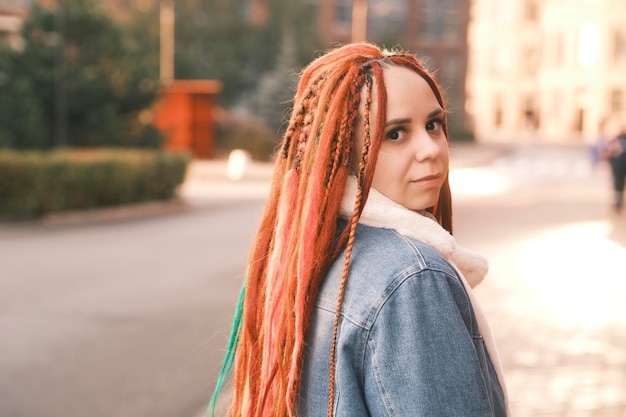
382 212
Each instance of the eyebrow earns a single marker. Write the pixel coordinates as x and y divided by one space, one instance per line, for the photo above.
436 112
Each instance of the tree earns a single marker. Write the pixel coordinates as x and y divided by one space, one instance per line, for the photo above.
219 39
100 70
21 118
272 99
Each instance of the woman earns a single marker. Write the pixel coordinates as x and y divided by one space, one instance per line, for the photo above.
355 302
617 160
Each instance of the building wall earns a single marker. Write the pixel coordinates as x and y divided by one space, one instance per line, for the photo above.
550 70
436 30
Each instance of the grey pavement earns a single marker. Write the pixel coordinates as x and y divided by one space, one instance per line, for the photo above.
556 291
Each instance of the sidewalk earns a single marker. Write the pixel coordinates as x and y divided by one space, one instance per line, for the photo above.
556 291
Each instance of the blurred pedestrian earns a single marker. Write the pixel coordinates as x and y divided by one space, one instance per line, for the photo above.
616 154
597 146
358 300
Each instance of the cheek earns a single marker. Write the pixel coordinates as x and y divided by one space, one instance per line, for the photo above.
386 174
445 155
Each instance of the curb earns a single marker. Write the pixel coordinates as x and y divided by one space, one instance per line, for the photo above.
118 213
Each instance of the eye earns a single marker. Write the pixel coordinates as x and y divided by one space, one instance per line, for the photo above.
434 125
395 134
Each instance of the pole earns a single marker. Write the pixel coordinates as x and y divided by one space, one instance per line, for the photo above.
167 41
359 20
60 76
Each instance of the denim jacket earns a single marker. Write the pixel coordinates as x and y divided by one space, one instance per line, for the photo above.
408 341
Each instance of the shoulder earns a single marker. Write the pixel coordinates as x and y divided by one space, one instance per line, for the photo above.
377 250
387 266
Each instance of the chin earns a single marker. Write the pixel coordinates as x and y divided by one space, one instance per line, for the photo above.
421 205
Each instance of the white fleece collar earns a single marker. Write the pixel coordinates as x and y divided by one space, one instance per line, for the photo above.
380 211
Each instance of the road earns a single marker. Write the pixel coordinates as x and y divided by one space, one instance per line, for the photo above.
124 319
129 317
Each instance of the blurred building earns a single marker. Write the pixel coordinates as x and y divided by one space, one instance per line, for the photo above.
434 29
437 29
549 70
12 14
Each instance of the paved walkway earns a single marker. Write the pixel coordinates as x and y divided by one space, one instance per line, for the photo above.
556 291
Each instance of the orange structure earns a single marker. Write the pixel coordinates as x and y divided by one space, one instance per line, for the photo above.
184 114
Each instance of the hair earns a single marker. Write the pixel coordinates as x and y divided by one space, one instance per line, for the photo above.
298 237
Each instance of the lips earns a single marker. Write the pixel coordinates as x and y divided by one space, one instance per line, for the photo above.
427 178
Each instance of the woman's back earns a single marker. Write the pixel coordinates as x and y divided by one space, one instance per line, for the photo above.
408 342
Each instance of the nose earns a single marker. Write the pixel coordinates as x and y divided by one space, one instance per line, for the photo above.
426 147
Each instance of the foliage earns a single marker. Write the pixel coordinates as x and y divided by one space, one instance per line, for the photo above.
81 80
272 99
35 183
21 115
246 132
217 39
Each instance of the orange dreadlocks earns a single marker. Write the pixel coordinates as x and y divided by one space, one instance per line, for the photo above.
296 241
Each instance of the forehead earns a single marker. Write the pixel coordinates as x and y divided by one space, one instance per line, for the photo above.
405 87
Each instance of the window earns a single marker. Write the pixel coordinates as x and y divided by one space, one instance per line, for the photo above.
619 46
588 42
431 21
617 101
531 12
343 12
497 114
556 104
440 19
529 112
559 49
579 120
530 61
451 24
500 60
450 69
553 49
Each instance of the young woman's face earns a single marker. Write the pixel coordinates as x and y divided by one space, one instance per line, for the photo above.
413 159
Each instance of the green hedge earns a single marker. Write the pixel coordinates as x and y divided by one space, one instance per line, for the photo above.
35 183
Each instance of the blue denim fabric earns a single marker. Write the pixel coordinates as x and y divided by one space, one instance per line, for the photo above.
408 343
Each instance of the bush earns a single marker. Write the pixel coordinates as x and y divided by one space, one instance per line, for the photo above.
36 183
246 133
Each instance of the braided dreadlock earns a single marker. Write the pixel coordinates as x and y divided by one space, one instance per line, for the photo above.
296 241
